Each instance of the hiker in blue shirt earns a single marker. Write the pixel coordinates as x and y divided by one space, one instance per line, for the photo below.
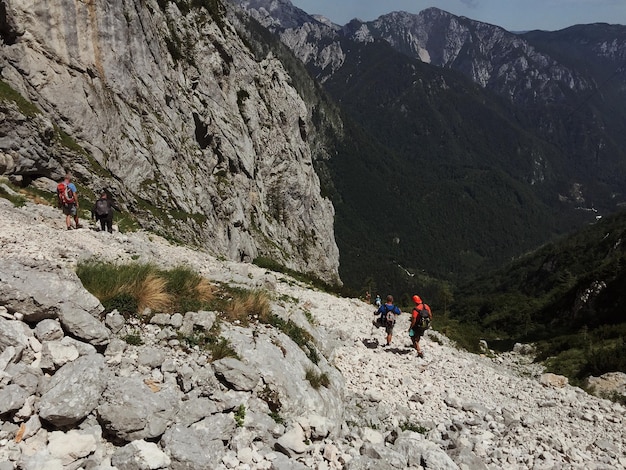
68 201
387 317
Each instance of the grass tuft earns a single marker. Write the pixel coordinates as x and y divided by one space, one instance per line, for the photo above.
249 305
134 287
317 379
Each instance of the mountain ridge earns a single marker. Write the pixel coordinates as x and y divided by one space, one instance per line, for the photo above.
530 121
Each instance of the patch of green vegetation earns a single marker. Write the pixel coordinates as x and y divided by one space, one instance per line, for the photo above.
309 316
317 379
221 349
126 222
276 417
17 199
125 303
26 107
298 335
133 339
307 278
240 415
68 142
407 426
288 299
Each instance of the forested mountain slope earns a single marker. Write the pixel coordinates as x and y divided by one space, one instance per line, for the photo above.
569 296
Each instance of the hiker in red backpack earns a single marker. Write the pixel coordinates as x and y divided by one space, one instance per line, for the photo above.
388 313
421 316
68 200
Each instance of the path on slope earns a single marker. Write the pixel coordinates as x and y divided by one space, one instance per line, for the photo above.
496 407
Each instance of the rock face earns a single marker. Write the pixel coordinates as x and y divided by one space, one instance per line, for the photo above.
163 104
66 403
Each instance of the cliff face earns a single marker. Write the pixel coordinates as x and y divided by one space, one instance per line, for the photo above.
164 104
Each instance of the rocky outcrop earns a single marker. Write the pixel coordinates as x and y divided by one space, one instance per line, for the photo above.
163 104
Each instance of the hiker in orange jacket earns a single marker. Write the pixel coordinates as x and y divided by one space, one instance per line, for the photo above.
421 316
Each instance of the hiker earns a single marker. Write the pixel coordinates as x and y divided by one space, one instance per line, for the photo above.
387 317
103 212
378 302
421 316
368 298
68 201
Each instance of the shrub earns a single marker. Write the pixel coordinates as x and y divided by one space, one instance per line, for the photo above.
124 303
151 293
240 415
133 339
317 379
276 417
407 426
221 349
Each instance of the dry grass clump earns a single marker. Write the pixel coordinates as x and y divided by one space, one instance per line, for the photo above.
132 288
247 306
152 293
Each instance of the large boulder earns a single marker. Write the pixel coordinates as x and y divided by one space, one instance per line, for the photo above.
44 291
192 447
74 391
131 410
283 365
235 374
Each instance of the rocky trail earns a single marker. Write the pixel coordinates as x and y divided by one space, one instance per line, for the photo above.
384 407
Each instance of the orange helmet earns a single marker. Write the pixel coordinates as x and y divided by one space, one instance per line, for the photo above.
417 300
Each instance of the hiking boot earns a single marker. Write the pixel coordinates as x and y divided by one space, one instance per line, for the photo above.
69 228
420 354
79 226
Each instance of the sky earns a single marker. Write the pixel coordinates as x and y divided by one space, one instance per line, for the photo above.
512 15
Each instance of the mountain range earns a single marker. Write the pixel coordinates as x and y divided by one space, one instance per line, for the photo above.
478 144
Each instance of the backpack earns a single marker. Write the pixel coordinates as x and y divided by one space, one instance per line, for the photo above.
423 319
102 207
390 316
65 194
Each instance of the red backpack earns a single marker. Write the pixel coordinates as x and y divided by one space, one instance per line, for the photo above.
65 194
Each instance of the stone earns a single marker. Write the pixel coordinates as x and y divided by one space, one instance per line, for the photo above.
48 330
25 376
140 455
236 374
114 321
130 410
59 353
292 442
189 448
553 380
202 319
12 398
151 357
71 446
74 391
14 334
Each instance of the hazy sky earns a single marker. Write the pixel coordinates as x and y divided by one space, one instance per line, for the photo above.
513 15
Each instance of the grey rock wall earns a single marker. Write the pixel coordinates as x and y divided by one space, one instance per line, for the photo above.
169 110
